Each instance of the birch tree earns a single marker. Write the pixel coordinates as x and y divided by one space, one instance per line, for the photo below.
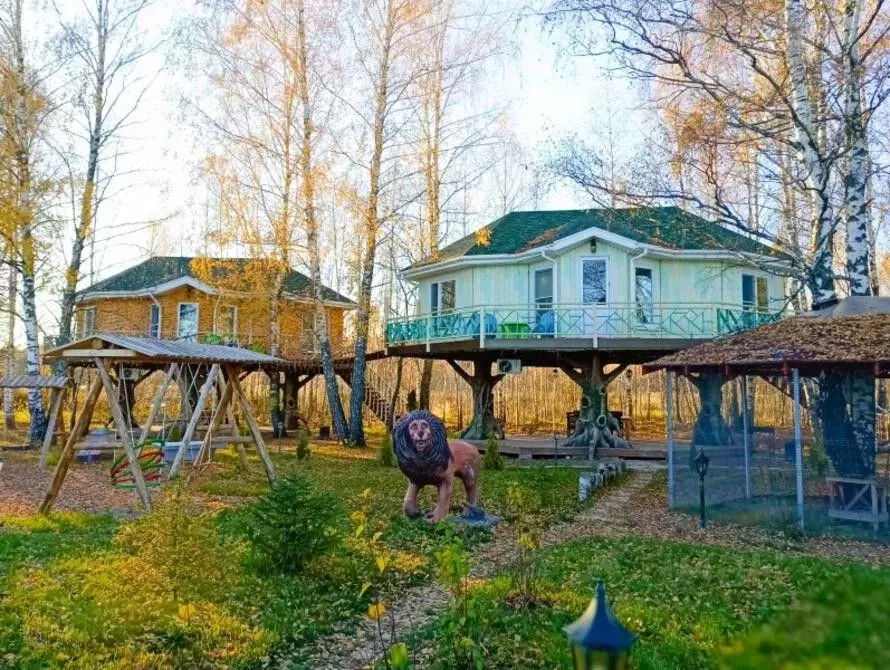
103 45
24 109
392 29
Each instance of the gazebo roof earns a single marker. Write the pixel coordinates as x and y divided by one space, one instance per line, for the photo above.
854 332
141 350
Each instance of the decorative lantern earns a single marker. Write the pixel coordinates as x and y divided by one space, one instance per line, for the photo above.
598 639
701 467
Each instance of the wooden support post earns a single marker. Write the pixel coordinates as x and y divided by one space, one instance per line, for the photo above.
158 400
239 397
56 402
123 427
193 420
80 428
219 412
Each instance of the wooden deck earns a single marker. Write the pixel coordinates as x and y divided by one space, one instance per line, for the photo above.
543 447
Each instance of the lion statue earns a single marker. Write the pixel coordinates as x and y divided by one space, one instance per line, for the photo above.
426 459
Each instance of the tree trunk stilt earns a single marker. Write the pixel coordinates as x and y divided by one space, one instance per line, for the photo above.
710 427
596 427
482 382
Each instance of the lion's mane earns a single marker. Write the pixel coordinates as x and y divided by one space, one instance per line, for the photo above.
421 468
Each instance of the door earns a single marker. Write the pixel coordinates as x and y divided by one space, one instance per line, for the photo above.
595 296
545 318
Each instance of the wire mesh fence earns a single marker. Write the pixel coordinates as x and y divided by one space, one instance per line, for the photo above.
781 477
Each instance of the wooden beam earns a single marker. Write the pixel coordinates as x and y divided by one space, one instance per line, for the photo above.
572 374
124 428
219 412
158 401
56 401
80 427
463 374
231 373
612 374
193 420
99 353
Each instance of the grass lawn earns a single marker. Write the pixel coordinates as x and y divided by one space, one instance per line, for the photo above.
181 588
692 607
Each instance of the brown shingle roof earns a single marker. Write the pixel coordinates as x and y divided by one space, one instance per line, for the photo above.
807 341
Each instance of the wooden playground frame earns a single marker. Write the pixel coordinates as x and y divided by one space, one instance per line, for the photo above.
220 392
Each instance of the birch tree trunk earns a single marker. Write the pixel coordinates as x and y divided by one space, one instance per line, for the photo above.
86 215
857 163
372 224
335 404
8 393
806 142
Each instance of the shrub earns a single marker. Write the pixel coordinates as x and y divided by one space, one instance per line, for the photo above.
294 523
385 455
492 459
303 444
817 459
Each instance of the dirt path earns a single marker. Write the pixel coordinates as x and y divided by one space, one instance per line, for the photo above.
420 605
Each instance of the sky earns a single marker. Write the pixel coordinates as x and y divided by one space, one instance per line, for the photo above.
548 96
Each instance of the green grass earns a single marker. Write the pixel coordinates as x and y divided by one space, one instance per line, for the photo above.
692 607
180 587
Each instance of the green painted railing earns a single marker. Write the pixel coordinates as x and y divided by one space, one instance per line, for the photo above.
621 320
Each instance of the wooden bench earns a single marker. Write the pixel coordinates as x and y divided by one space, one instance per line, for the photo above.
868 502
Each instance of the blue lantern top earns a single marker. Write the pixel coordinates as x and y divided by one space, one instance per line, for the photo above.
598 628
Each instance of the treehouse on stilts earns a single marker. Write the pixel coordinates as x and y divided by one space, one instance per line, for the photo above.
209 380
587 292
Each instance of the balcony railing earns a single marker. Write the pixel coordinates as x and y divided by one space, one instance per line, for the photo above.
612 320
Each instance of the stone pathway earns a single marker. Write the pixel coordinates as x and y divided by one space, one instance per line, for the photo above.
420 605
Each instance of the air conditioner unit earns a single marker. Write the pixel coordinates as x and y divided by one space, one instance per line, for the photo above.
131 374
509 366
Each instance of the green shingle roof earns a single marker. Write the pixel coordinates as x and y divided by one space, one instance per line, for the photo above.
159 270
669 227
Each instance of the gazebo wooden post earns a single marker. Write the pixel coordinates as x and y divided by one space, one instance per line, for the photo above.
219 413
56 401
669 419
798 444
206 387
745 442
158 401
124 428
239 397
77 432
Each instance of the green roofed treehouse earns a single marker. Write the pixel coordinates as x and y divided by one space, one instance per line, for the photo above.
580 289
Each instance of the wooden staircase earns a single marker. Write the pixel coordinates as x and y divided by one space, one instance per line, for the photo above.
377 395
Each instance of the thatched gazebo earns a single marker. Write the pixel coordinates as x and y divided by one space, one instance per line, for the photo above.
849 341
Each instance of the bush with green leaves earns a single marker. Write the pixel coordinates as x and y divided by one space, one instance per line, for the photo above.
385 455
303 444
294 523
493 459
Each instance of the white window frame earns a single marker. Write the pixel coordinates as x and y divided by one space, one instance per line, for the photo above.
535 298
640 310
151 309
436 310
581 261
755 306
179 335
84 331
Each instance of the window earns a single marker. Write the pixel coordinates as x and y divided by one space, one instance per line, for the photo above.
442 296
188 321
643 294
227 321
594 286
88 325
544 289
755 293
154 321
